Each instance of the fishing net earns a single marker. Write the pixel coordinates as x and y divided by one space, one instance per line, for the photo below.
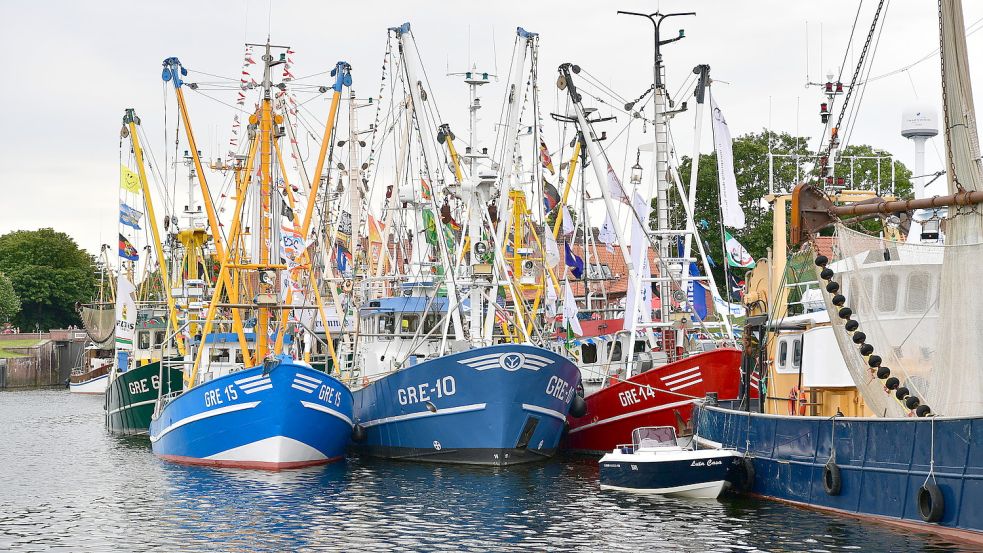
916 305
100 323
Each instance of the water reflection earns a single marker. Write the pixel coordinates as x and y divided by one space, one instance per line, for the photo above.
67 484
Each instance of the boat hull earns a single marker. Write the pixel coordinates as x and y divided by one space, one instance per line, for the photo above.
131 396
691 474
292 417
93 382
497 405
662 396
882 463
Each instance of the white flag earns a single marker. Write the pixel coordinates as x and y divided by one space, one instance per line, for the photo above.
568 226
550 304
552 251
570 310
607 234
642 309
126 313
729 199
737 256
614 187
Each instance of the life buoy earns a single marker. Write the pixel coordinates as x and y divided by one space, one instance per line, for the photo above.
931 504
832 481
347 285
795 396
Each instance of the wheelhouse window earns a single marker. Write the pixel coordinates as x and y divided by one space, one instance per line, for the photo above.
386 324
588 353
143 339
797 353
918 289
615 351
782 353
887 293
159 338
409 323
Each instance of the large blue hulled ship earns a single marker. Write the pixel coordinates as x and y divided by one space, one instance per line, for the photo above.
913 470
495 405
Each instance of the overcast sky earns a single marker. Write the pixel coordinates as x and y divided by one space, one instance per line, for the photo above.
73 67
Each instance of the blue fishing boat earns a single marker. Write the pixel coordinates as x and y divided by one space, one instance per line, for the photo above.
279 415
247 400
496 405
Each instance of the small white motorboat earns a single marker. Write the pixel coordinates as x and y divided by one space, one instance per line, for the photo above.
655 463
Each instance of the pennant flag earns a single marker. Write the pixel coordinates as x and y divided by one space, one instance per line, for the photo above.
570 310
427 192
128 180
575 262
126 249
730 204
614 187
430 227
544 154
568 226
292 244
737 256
551 196
344 258
126 312
129 216
552 249
607 234
697 294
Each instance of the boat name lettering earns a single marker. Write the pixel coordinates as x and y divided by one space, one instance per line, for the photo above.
140 386
329 395
443 387
707 463
556 387
636 395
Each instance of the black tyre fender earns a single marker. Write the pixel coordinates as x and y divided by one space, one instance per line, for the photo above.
358 433
931 504
832 480
745 474
578 407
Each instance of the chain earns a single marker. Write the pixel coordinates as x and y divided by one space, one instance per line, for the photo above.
824 160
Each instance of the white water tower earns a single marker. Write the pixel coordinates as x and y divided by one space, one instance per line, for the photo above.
919 123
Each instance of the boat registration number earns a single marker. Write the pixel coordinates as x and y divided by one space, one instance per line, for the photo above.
636 395
420 393
140 386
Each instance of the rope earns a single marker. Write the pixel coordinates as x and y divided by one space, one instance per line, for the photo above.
931 462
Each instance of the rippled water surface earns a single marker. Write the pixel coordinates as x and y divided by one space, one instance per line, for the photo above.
66 484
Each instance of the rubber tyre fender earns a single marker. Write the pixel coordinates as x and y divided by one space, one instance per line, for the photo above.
745 474
931 504
578 407
358 433
832 480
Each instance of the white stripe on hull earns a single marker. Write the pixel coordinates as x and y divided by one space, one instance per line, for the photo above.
132 405
325 409
632 414
410 416
544 411
703 490
204 415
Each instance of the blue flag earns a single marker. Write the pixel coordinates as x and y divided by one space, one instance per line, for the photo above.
698 294
344 258
575 263
129 216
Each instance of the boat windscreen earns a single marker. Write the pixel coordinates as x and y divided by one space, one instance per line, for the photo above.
654 436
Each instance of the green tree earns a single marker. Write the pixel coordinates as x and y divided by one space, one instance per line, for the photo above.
50 274
9 302
751 169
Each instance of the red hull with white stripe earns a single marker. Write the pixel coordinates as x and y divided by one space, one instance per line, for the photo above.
659 397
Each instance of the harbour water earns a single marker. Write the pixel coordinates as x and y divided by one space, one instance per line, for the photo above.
65 484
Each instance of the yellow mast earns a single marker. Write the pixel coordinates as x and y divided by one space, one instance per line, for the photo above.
131 120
